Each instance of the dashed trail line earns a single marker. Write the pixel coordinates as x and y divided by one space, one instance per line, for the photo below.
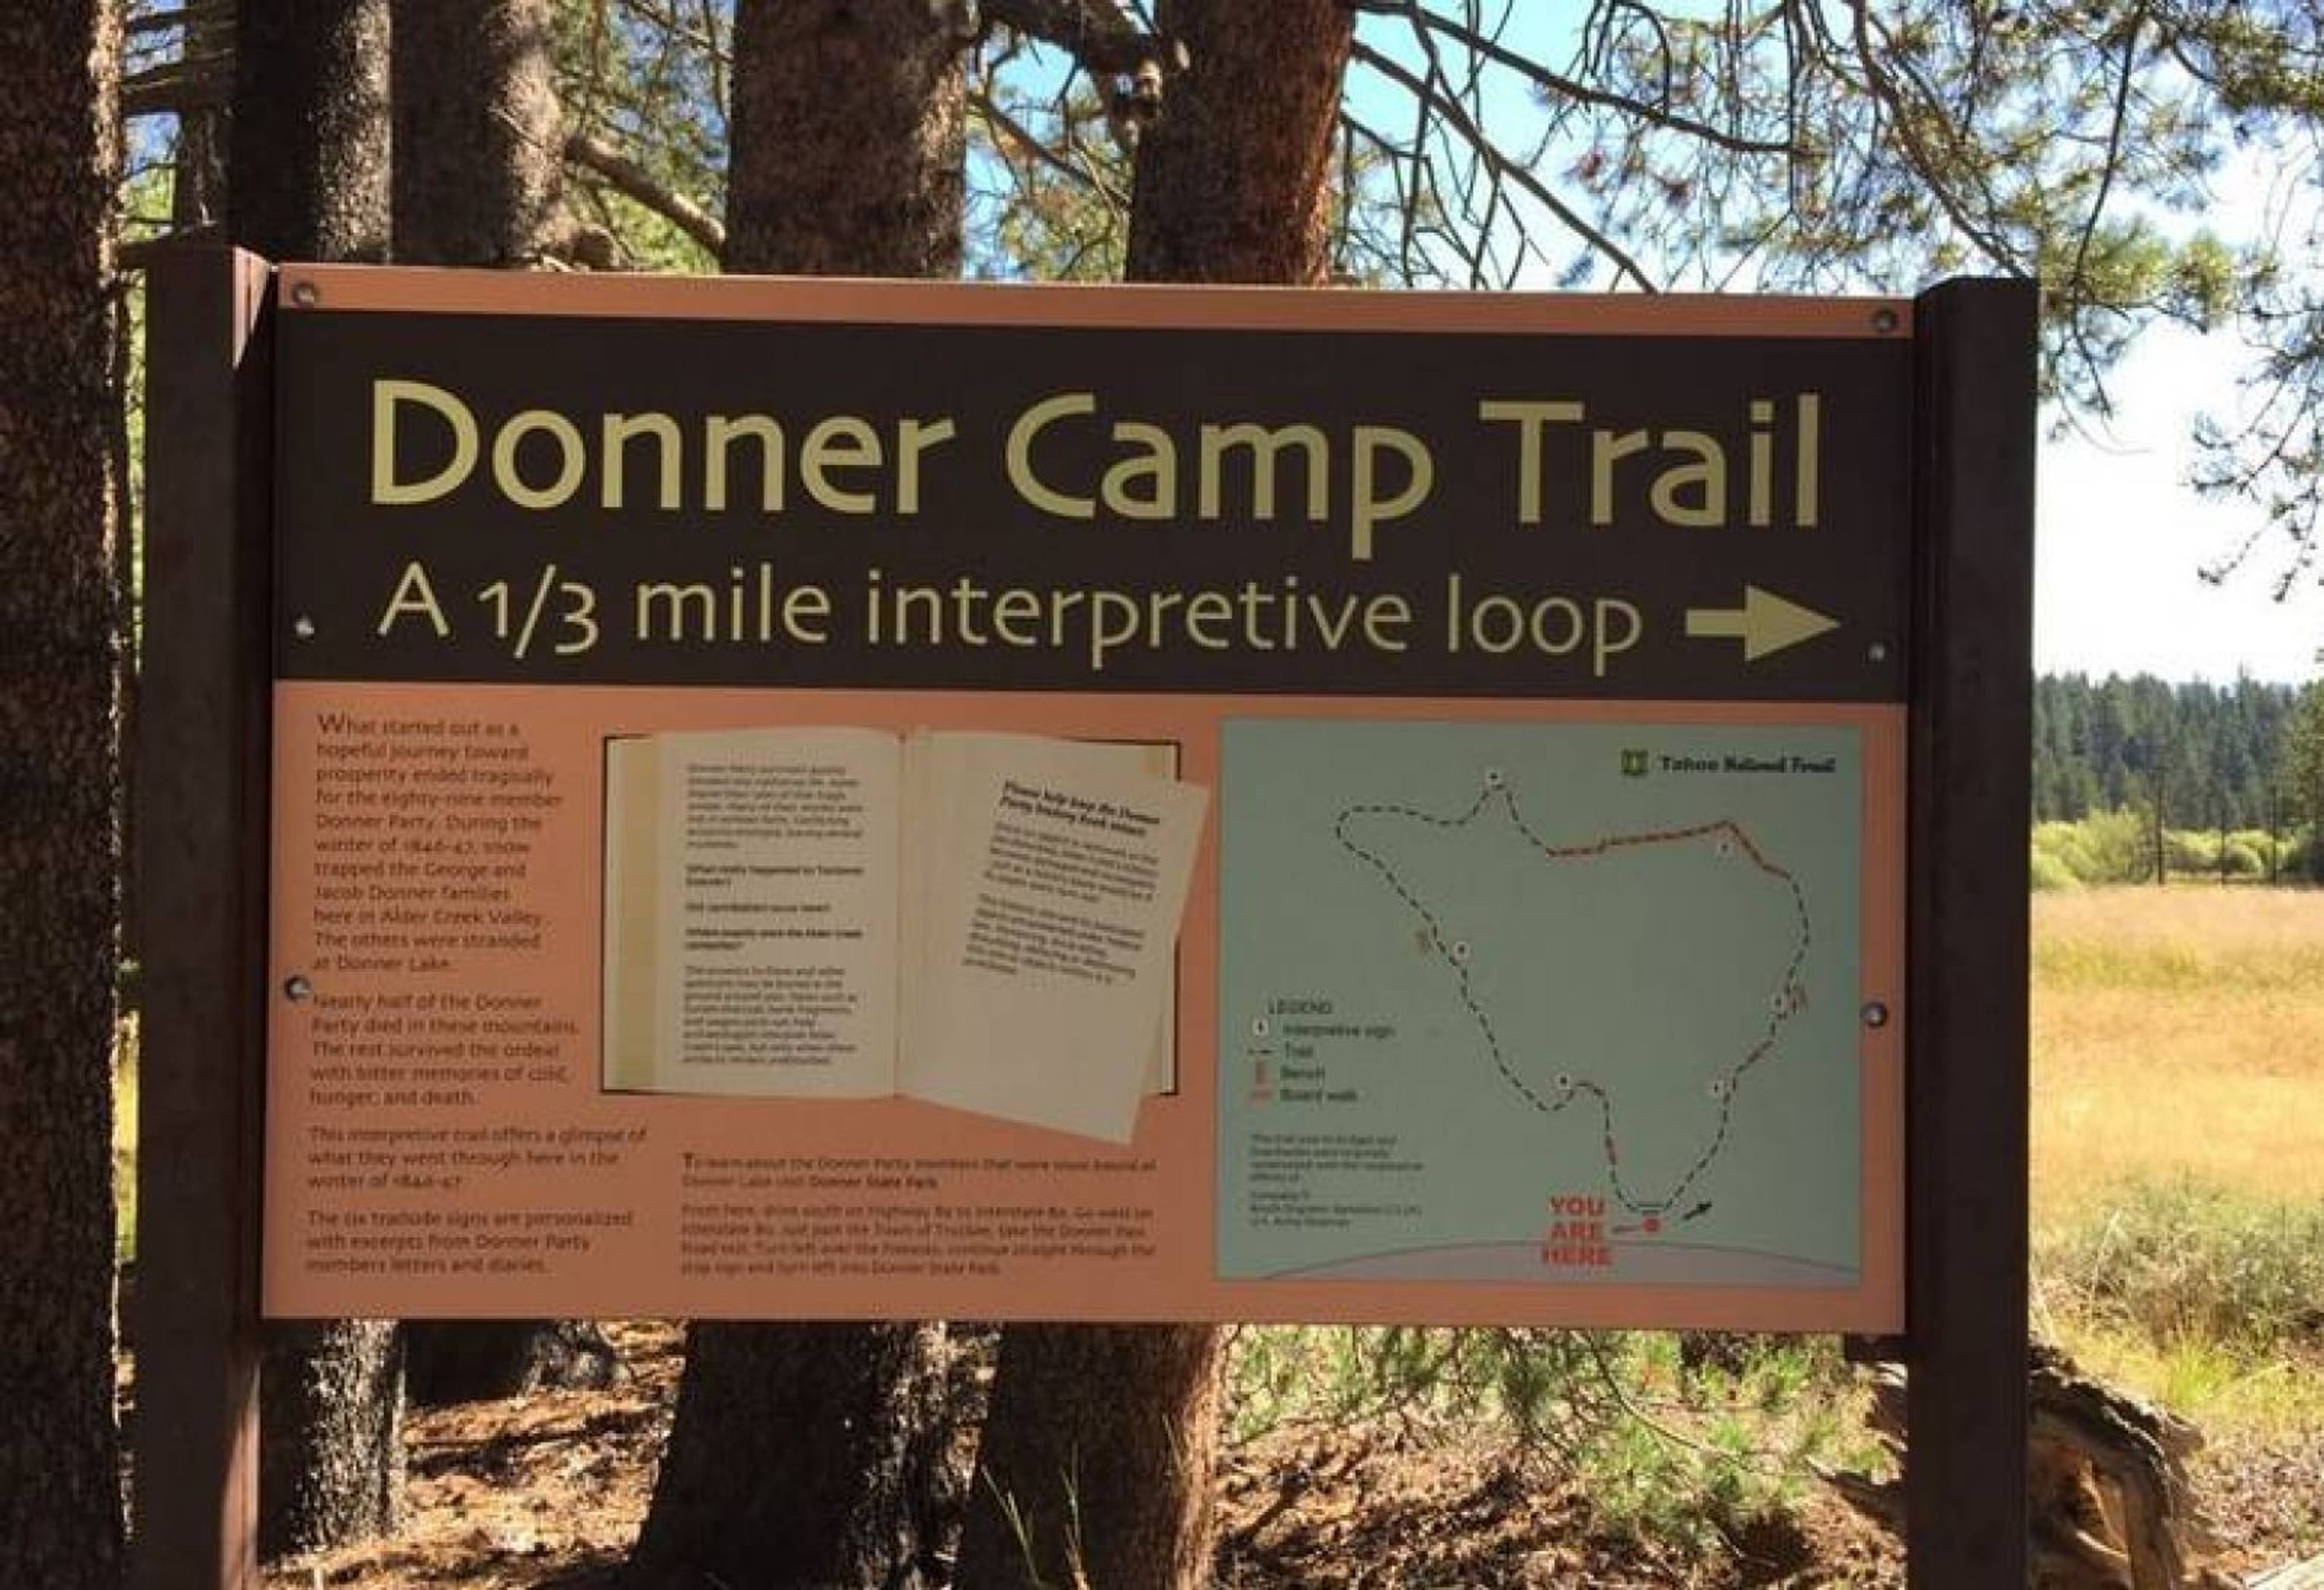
1786 1002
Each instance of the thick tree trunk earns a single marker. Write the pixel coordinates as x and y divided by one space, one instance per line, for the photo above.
477 181
849 128
330 1449
1233 178
805 1456
797 1461
478 143
1096 1462
310 144
308 180
1095 1468
59 143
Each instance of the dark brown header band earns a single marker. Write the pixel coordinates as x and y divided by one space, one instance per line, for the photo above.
913 503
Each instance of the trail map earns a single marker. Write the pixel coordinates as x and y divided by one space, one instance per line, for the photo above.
1557 1002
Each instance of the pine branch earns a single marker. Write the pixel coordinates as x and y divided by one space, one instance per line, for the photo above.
1485 47
1499 162
634 181
1018 135
1098 35
203 82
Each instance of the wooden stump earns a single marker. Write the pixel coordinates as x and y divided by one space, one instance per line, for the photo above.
2111 1505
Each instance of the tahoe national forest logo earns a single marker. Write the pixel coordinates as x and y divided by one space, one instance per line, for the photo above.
1634 764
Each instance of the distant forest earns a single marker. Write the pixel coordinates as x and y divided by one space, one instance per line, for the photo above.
2210 754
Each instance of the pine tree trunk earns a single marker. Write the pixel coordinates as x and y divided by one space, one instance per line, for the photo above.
1095 1468
797 1461
330 1447
308 180
478 146
310 142
477 179
850 117
1096 1463
59 143
1234 180
803 1457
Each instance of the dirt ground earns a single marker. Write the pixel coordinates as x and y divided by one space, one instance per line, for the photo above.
545 1492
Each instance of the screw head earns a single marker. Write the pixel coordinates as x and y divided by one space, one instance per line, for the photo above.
1875 1014
305 294
297 990
303 627
1885 320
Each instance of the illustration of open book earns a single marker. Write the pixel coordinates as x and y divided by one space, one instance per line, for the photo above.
983 921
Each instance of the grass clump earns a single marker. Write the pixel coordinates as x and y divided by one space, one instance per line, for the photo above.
2187 1261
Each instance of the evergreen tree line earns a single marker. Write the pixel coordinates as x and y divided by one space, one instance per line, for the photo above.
2214 756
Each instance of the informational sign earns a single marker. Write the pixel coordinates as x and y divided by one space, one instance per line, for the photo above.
836 800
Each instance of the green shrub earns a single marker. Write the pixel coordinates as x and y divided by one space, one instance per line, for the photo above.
2186 851
2245 858
2050 872
2105 847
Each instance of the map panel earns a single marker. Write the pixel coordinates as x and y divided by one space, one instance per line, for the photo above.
1572 1002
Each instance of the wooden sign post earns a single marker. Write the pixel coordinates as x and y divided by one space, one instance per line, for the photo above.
200 779
1971 807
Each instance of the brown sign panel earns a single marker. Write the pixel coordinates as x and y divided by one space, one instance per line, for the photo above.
551 497
839 800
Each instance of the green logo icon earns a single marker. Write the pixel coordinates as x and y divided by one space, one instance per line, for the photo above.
1634 764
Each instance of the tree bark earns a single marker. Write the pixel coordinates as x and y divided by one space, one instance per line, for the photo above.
477 181
330 1446
809 1456
797 1461
1234 177
309 143
479 147
307 179
59 142
850 121
1096 1467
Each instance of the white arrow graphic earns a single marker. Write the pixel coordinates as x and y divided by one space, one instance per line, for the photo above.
1765 623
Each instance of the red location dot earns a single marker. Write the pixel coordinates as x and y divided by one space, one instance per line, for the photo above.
1654 1224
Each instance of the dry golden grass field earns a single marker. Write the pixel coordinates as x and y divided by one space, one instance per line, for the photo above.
2179 1145
2177 1031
